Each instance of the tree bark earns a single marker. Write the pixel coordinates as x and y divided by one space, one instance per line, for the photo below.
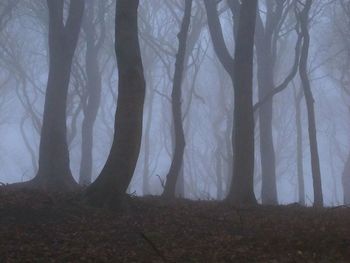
242 185
346 181
147 136
267 151
180 184
110 186
240 71
177 161
266 63
218 171
300 168
54 172
315 162
94 87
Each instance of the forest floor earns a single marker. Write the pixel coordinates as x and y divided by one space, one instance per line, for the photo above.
37 227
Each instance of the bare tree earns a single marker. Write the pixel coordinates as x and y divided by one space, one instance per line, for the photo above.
156 39
266 42
54 171
240 70
341 69
303 17
242 190
94 28
176 165
113 181
300 170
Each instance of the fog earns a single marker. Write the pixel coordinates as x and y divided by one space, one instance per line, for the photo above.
207 98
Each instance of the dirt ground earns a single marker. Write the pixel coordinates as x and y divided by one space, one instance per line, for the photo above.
38 227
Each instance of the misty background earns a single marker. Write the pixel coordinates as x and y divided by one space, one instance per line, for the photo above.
207 98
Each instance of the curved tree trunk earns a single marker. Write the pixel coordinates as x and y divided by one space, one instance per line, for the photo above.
315 162
54 171
115 177
176 165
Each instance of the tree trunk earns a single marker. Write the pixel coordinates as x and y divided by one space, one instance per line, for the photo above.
346 181
111 184
180 184
240 71
242 185
177 161
54 171
147 136
218 171
266 48
229 136
94 88
267 151
315 163
300 172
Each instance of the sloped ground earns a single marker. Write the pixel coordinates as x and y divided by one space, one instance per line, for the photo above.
37 227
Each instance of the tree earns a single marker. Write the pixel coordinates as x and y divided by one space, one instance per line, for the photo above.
115 177
242 184
179 136
340 68
160 41
268 33
346 181
240 70
344 81
17 58
94 29
266 48
303 17
300 170
54 171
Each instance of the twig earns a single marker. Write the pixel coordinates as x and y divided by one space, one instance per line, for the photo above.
158 252
161 181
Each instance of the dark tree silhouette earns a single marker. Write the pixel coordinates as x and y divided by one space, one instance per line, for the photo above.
111 184
240 71
94 29
341 29
303 71
54 171
179 139
242 184
346 181
300 169
267 35
265 43
192 56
